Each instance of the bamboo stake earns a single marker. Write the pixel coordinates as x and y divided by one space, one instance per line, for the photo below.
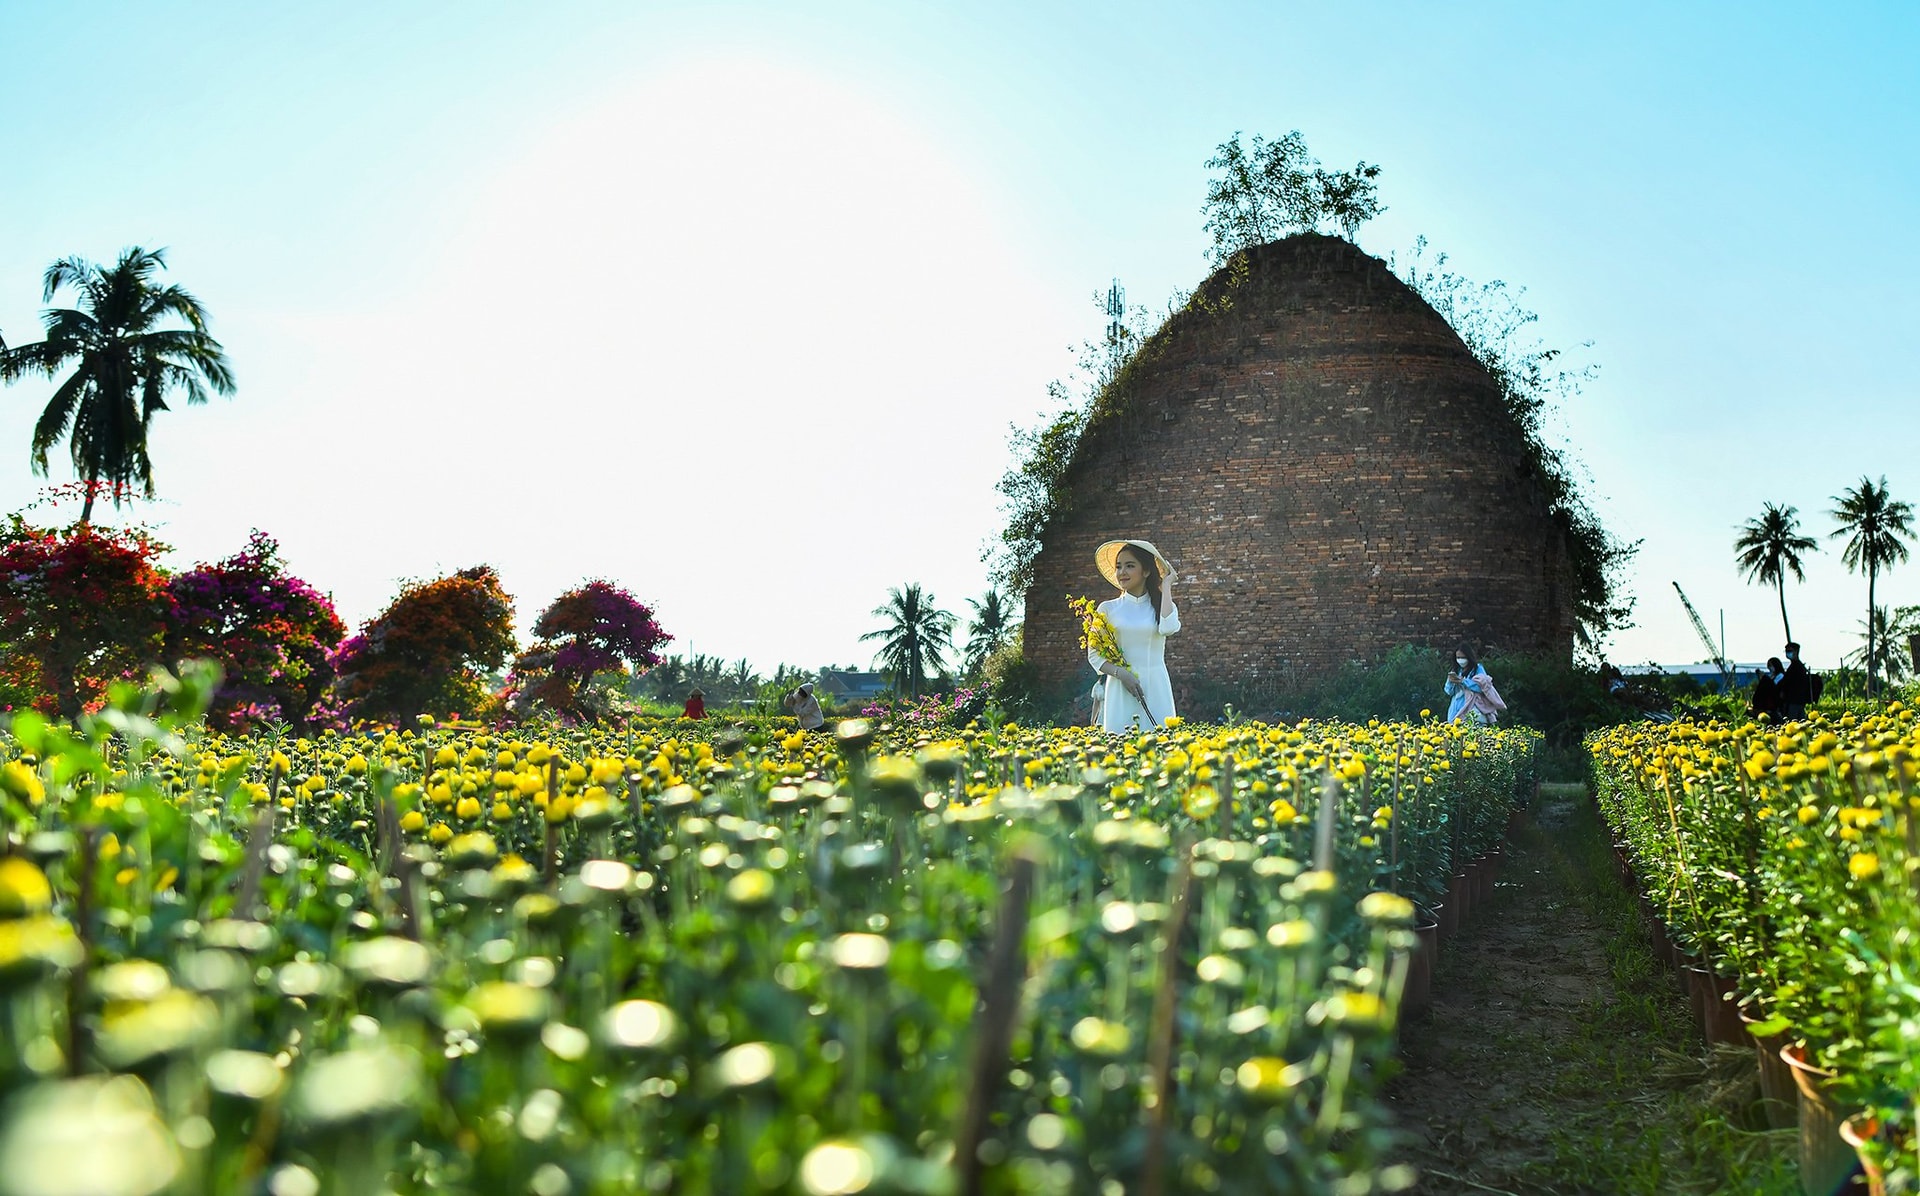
551 864
259 839
993 1023
83 928
1393 819
1323 829
1160 1049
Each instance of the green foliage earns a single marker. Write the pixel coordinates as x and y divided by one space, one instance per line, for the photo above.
1034 489
1272 189
736 684
1784 859
1564 702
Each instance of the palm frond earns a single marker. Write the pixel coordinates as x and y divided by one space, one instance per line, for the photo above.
41 357
73 272
176 300
55 419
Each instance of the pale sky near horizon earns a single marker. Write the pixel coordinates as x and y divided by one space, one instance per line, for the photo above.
733 304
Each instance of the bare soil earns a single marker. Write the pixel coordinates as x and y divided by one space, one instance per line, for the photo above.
1559 1058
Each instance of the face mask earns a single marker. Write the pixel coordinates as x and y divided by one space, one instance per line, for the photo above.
1460 661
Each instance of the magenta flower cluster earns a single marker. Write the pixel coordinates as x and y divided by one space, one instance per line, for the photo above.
962 706
272 633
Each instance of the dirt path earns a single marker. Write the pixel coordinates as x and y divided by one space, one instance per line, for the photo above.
1558 1058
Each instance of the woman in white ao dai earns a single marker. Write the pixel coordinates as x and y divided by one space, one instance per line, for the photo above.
1139 694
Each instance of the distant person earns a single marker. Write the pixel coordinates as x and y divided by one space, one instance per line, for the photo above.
1612 682
1766 690
1796 686
696 705
1099 695
805 708
1475 699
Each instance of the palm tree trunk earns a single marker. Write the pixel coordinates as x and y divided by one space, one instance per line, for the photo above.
1871 578
1780 585
86 507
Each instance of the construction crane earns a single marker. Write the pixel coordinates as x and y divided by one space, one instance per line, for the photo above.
1713 653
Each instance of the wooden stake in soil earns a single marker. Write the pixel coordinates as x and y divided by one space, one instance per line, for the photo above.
1393 819
1323 829
394 863
1224 815
993 1025
83 929
259 839
1160 1049
551 865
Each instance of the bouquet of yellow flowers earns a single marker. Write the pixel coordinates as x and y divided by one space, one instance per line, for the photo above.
1096 630
1097 634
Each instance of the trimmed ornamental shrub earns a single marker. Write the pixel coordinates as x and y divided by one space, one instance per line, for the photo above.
430 650
79 608
270 632
596 628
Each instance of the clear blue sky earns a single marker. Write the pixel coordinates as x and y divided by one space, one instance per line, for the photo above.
733 303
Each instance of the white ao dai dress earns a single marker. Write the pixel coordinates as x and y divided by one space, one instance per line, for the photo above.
1143 640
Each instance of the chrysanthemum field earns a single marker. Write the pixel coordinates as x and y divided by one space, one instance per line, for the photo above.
683 957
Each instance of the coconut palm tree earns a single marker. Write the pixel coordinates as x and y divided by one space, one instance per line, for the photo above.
741 681
1769 548
1886 637
1878 527
992 624
124 364
916 639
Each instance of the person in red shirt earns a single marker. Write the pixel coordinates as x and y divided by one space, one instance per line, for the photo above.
696 705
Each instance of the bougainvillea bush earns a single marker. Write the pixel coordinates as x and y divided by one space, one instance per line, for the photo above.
964 705
270 632
79 607
596 628
430 651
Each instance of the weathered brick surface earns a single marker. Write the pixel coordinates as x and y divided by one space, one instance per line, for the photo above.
1330 470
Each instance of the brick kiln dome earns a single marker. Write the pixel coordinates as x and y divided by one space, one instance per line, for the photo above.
1329 468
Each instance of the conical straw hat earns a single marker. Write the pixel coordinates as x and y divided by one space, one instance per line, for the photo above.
1103 558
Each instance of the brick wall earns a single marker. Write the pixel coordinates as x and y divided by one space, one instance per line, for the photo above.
1330 470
